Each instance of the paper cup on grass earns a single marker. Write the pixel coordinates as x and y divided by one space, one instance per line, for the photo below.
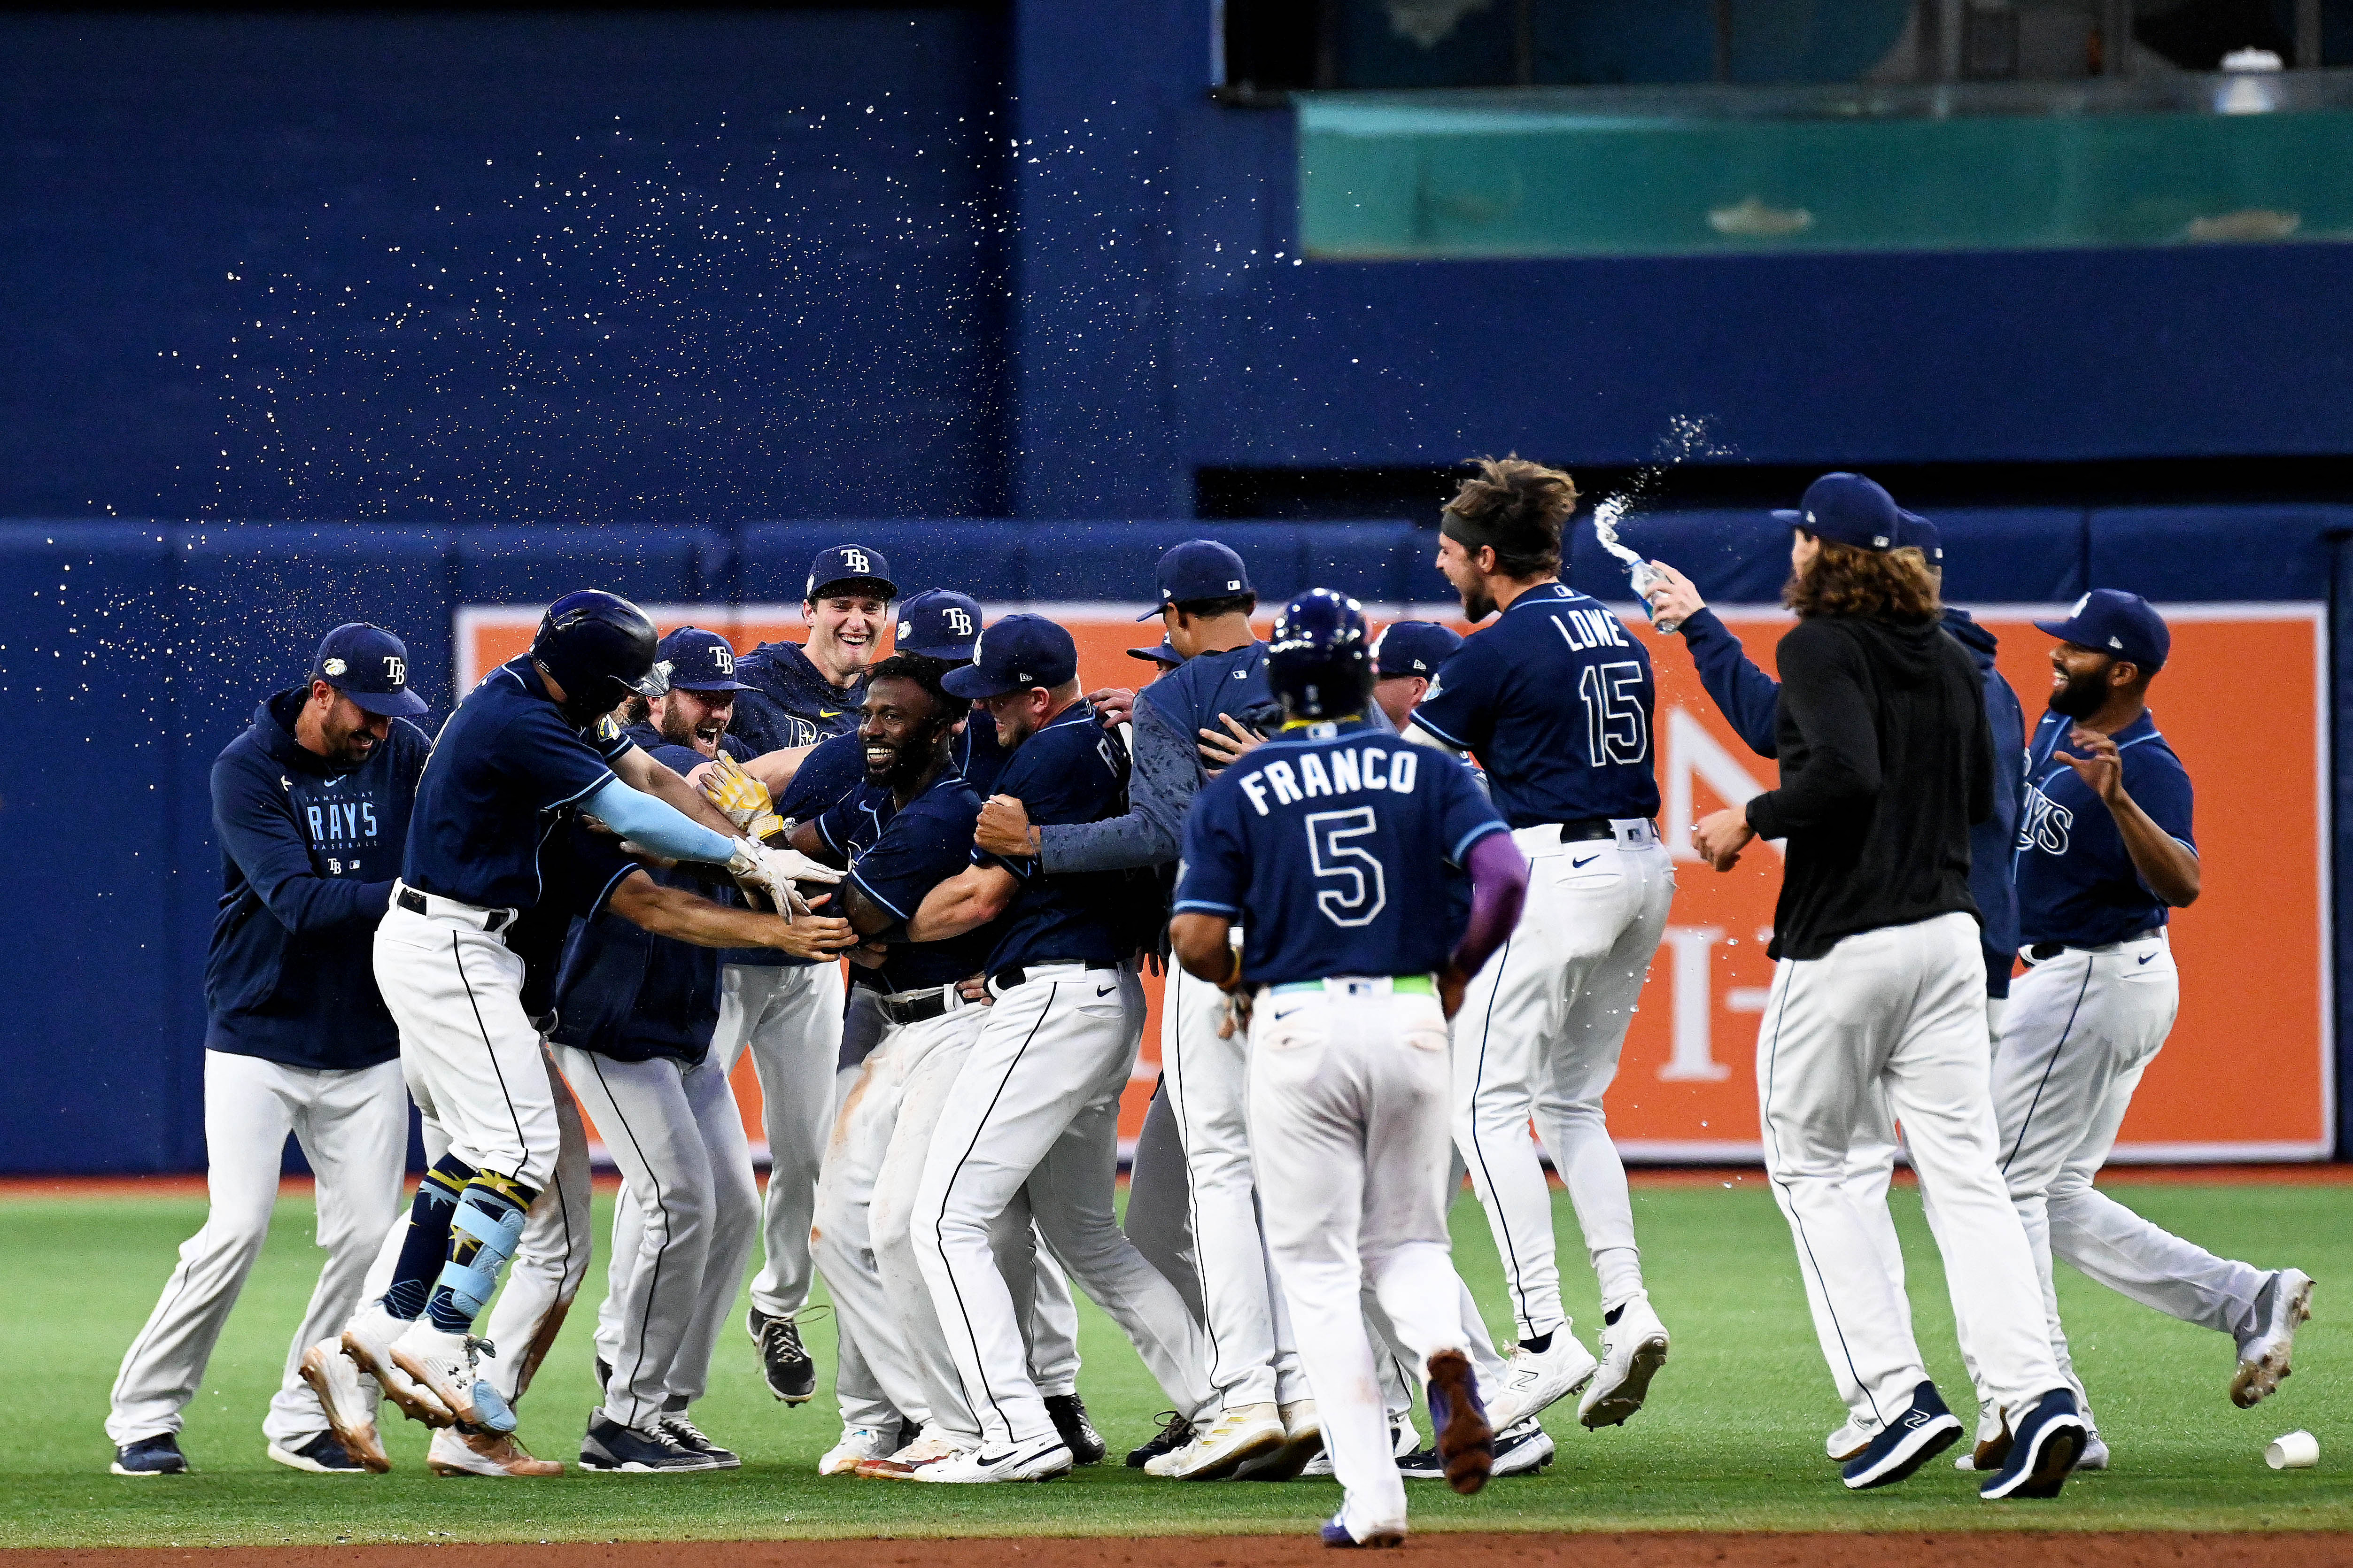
2295 1451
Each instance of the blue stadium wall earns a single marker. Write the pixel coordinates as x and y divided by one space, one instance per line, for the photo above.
513 304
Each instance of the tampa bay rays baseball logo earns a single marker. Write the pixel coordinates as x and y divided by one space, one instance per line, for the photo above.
856 561
959 622
725 657
2044 824
396 669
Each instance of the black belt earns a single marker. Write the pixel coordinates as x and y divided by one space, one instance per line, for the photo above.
1006 979
413 902
1587 830
2043 951
923 1009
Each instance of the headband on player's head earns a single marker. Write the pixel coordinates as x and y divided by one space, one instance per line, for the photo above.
1471 535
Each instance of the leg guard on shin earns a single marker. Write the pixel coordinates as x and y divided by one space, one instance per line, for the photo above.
483 1231
426 1246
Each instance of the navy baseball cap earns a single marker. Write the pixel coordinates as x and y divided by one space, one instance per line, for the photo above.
2111 621
939 623
849 564
1849 508
370 666
1413 647
692 659
1165 655
1014 655
1920 534
1198 569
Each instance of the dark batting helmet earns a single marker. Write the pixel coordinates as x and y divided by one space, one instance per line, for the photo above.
1320 662
600 647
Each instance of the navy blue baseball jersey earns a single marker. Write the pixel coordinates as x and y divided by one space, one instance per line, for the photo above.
835 771
791 703
2077 883
308 855
506 763
579 870
1331 845
1073 769
898 856
648 737
1554 701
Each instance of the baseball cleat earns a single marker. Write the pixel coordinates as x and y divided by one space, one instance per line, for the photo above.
1336 1533
156 1456
783 1360
1845 1443
349 1404
443 1363
1633 1349
929 1448
1992 1445
1925 1429
368 1342
1040 1459
2095 1453
1303 1441
2285 1301
469 1451
681 1429
1239 1433
2048 1441
1533 1380
1079 1434
321 1456
1522 1451
1465 1441
612 1449
1174 1432
857 1443
1405 1443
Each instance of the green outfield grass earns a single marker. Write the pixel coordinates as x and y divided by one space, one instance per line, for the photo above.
1733 1438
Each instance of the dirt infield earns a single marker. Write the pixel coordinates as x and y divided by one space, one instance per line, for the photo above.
1963 1548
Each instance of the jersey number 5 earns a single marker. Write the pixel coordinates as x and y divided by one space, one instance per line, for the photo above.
1363 890
1616 728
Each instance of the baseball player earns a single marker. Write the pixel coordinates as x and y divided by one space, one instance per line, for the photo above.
1407 657
1556 701
532 739
696 705
1750 699
1036 1101
1878 995
2105 853
788 1014
1265 1413
310 807
1329 844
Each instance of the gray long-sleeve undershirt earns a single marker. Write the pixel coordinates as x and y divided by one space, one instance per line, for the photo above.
1160 788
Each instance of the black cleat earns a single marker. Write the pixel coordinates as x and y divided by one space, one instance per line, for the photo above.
156 1456
1175 1431
321 1456
1079 1433
613 1447
783 1362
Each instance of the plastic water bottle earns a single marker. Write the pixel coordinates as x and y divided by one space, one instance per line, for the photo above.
1645 577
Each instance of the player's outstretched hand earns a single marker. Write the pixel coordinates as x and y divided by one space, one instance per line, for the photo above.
1674 598
1720 837
772 872
1237 1021
744 799
813 937
1003 827
2101 768
1116 705
1223 751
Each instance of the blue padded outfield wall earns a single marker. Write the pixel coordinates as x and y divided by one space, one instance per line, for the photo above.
133 652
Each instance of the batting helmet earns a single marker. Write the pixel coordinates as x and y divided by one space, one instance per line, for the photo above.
1320 662
600 647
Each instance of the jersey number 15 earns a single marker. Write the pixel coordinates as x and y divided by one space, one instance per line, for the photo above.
1616 728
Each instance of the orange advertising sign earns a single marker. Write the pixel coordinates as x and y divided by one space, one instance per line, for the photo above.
2246 1074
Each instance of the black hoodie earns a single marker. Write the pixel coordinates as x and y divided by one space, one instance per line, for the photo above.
1886 759
309 852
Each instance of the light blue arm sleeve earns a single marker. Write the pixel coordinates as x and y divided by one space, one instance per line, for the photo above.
656 824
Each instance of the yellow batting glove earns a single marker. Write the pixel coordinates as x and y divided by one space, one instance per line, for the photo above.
744 798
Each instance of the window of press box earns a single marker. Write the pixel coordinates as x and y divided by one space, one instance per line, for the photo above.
1268 49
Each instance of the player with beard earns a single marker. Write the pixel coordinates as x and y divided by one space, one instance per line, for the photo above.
2104 854
696 707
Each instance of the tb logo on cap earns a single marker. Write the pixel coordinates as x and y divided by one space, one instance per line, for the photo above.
725 657
856 561
395 671
959 622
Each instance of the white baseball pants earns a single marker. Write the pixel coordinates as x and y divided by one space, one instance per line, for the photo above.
1348 1099
550 1257
1252 1358
1037 1104
352 1127
1538 1037
1899 1012
674 1131
466 1048
2082 1028
789 1017
1158 1200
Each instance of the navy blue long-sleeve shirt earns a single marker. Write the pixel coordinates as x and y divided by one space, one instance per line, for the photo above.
309 852
1750 700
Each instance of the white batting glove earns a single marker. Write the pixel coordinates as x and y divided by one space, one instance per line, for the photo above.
774 871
